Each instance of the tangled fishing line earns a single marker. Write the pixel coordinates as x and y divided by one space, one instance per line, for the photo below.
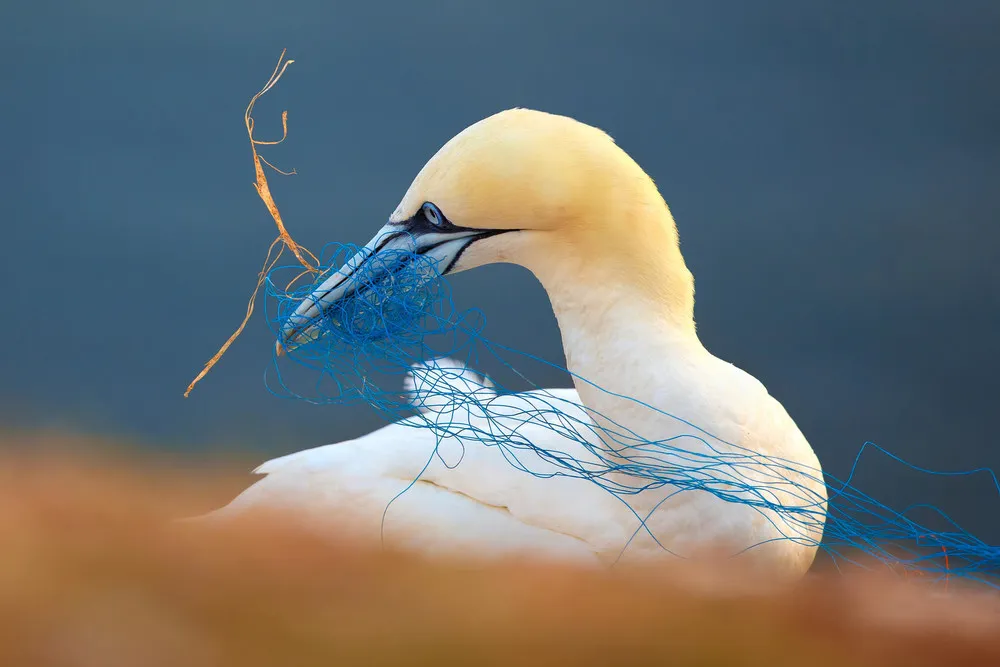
403 321
400 321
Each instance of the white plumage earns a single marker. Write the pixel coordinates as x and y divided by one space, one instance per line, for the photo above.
561 199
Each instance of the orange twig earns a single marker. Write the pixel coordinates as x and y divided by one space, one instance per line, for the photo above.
262 188
947 567
306 258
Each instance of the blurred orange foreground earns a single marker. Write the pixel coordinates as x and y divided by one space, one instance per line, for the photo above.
93 573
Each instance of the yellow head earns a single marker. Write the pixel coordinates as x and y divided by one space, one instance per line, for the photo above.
517 169
531 171
547 192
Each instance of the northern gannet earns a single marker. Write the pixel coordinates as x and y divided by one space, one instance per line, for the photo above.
560 198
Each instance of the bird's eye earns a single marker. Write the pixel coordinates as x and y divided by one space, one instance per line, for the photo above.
433 214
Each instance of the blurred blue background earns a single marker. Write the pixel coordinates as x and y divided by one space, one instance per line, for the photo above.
833 167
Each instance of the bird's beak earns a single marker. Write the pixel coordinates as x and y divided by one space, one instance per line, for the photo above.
394 243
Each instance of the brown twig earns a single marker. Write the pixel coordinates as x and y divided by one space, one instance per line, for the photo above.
306 258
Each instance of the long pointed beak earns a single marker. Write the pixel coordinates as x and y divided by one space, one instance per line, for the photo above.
394 243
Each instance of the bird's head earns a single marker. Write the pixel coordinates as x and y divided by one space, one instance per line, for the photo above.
536 189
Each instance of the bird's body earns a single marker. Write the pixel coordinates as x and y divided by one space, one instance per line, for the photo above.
400 485
559 198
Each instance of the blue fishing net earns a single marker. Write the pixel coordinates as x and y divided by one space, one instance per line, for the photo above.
400 321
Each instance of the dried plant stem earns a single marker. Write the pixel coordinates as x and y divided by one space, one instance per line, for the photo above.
284 240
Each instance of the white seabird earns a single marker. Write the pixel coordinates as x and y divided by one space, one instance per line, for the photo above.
562 199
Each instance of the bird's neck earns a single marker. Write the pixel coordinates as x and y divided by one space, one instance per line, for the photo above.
626 319
626 354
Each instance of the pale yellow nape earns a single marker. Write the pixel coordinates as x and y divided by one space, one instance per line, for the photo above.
549 174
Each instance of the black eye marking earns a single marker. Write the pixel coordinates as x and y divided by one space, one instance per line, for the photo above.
429 219
432 214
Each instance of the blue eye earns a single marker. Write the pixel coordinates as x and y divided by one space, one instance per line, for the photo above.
433 214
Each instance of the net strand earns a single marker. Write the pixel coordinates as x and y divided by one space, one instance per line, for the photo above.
399 345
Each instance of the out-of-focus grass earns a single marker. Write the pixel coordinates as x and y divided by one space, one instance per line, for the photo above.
93 573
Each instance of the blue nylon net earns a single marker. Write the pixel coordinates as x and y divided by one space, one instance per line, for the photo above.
400 320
